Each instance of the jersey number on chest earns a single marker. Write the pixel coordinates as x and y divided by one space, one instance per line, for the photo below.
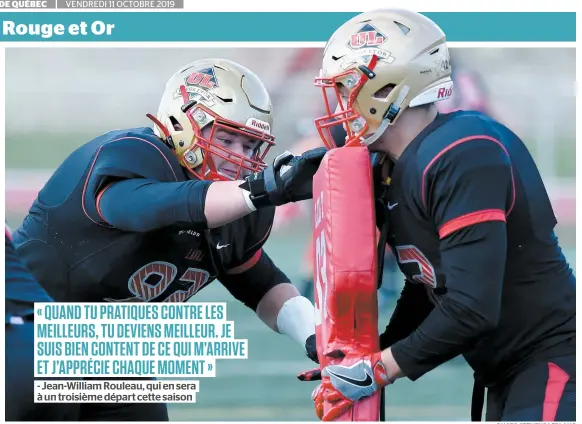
421 270
141 286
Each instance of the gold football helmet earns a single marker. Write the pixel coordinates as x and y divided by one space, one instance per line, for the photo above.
216 94
376 65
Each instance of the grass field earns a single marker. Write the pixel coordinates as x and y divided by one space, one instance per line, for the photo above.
264 387
55 147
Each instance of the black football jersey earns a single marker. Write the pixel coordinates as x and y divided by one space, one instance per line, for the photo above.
472 226
78 257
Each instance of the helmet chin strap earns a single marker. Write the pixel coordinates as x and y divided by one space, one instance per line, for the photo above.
389 116
383 126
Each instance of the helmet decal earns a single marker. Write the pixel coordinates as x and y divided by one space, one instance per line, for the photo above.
367 36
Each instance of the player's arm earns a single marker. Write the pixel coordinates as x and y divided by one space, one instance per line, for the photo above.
20 283
140 204
412 307
469 190
263 287
138 189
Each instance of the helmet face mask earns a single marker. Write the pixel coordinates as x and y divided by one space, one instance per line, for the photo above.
205 149
211 96
344 114
375 66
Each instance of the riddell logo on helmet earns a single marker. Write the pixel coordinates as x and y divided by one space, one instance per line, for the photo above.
259 125
367 36
445 92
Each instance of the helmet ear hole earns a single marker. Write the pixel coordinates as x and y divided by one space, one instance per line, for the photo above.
175 124
384 91
405 30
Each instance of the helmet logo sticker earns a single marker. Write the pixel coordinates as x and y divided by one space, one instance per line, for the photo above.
204 78
363 56
445 92
197 84
443 66
258 124
367 36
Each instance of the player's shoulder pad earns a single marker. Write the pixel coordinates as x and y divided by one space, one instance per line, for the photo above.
246 237
136 153
127 154
464 138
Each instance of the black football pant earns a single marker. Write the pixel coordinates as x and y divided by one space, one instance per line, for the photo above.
19 389
545 391
19 383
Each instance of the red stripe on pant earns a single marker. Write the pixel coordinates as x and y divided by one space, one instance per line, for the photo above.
557 380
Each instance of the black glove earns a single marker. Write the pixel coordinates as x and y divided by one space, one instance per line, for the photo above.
311 350
310 375
290 179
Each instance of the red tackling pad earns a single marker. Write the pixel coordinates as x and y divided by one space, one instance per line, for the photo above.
345 261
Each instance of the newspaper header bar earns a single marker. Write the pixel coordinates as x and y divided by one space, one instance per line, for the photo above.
25 5
267 26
